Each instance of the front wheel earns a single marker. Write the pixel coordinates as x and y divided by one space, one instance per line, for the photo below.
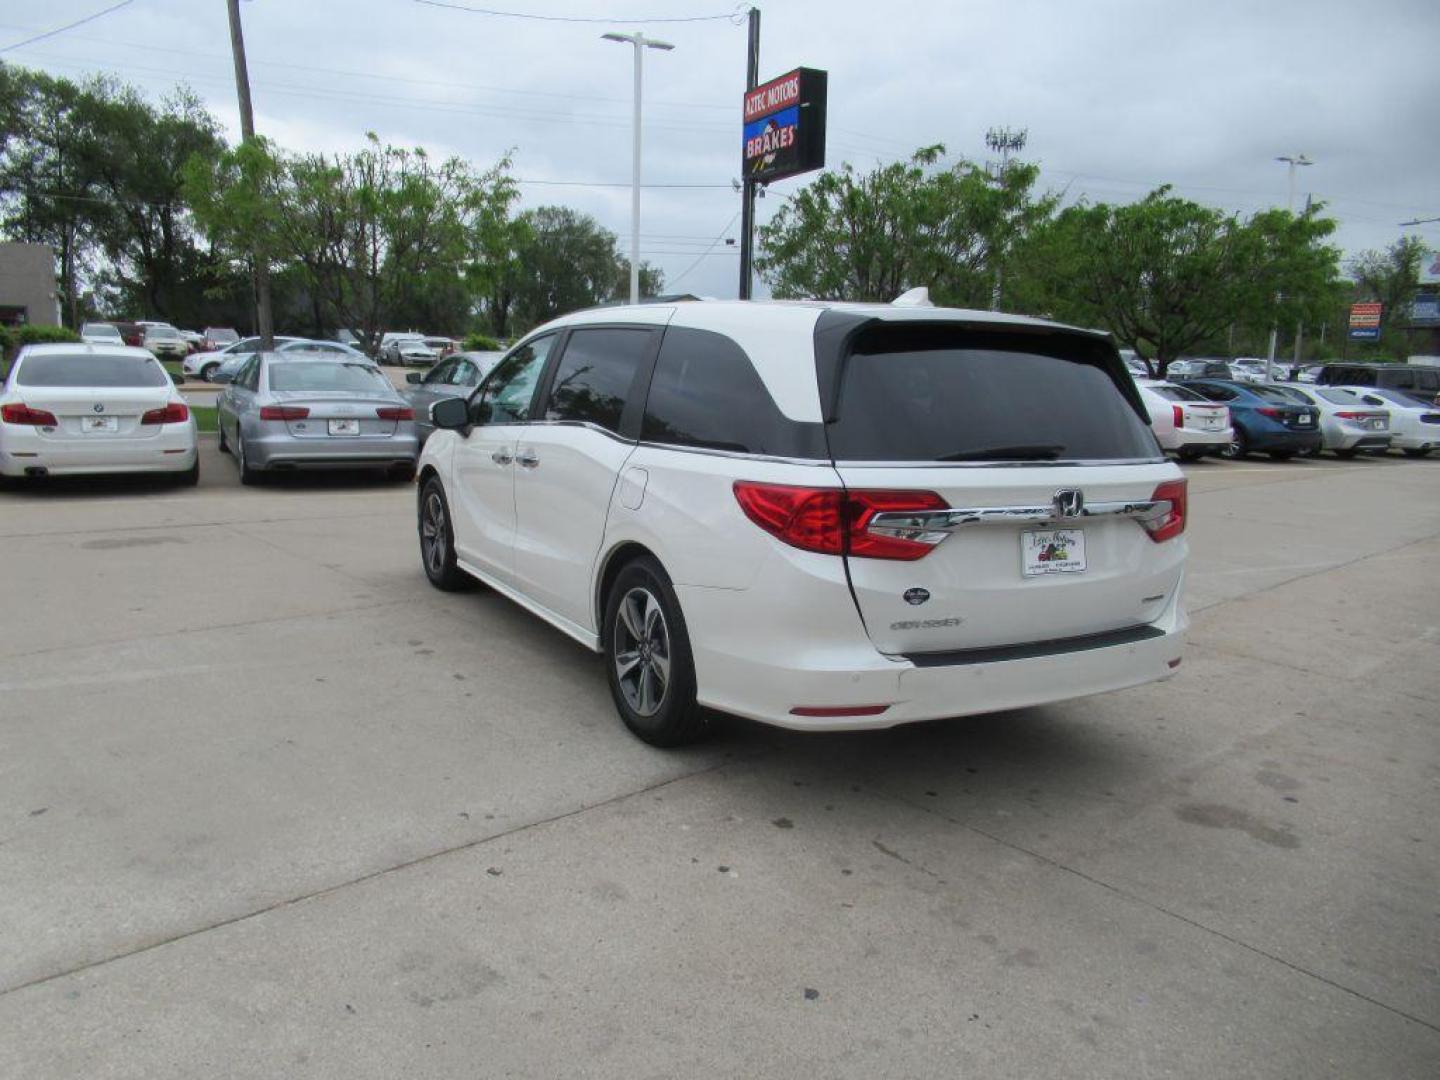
648 661
208 370
437 540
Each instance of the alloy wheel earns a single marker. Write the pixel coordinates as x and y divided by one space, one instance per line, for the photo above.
640 649
433 535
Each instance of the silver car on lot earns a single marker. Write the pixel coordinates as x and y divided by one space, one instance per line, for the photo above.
1347 426
298 410
455 376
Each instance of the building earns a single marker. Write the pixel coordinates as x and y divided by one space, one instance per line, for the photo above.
27 285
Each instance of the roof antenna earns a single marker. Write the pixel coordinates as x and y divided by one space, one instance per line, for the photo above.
917 297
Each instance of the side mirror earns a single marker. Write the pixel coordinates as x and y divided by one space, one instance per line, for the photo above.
451 414
414 377
222 377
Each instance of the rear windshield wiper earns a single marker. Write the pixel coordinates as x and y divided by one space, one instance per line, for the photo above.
1028 452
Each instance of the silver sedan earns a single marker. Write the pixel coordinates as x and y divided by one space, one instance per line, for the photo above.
456 376
297 411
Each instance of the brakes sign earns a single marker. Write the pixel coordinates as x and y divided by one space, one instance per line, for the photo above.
784 126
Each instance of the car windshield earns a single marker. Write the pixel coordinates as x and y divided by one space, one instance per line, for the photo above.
1395 397
1177 393
101 330
1339 397
166 332
937 393
1289 393
222 335
324 375
1283 395
81 370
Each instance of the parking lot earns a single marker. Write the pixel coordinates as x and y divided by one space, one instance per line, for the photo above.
272 806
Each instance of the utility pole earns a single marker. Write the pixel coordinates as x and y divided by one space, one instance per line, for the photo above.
641 43
1294 161
1299 325
1002 141
747 186
265 323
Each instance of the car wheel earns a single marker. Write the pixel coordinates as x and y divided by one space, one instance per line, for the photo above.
1346 454
191 476
648 660
208 370
437 543
247 474
1239 446
224 447
1421 452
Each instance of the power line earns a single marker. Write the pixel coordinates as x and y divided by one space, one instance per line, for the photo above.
67 26
575 18
707 252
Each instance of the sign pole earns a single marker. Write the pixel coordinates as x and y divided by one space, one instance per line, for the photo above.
747 186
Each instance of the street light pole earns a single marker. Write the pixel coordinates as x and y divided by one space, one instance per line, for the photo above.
265 324
1294 161
641 43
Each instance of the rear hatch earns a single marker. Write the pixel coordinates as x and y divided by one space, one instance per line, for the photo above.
1010 478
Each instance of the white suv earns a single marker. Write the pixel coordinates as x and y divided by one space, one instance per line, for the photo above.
820 515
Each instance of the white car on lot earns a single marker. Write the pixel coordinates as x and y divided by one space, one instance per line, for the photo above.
1347 426
206 364
73 409
822 516
1414 426
1185 423
406 349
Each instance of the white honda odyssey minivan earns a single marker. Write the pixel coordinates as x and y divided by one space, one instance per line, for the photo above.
819 515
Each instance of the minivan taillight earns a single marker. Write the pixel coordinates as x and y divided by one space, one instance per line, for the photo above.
17 413
1170 524
283 412
833 521
174 413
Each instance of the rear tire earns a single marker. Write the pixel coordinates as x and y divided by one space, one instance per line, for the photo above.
191 476
1346 454
248 476
437 539
1422 452
1239 446
648 662
220 430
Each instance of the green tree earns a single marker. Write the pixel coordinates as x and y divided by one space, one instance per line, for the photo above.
562 260
1165 274
871 236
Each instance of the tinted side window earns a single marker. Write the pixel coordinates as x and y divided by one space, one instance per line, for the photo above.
510 389
707 393
596 371
440 373
248 375
1214 393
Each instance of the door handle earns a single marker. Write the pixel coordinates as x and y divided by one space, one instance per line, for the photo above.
501 457
527 459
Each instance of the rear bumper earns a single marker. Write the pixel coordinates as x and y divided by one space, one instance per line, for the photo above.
332 451
171 449
1416 442
1284 439
762 651
1196 440
1358 440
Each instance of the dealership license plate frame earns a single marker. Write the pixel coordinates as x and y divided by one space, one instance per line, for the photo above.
1038 551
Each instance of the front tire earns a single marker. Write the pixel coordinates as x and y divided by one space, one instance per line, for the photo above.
437 539
208 370
648 661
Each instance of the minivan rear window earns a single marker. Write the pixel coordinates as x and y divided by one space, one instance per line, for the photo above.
918 393
80 370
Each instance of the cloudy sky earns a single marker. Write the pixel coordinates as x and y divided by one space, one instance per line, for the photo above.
1117 95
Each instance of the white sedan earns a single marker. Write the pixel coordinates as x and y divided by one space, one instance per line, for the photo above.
1414 426
1185 423
82 409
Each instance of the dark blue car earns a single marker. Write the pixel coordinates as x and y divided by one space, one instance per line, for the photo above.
1262 418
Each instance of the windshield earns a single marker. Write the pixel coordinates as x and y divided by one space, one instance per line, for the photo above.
1281 394
1289 393
101 330
1177 393
222 335
1339 397
166 332
78 369
927 393
324 375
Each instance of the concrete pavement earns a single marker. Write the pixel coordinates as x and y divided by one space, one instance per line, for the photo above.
269 806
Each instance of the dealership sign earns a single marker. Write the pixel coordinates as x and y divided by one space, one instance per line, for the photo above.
785 126
1365 321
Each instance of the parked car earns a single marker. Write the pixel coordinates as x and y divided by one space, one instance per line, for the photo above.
194 340
132 332
333 349
1262 418
165 342
206 364
818 516
101 333
76 409
298 411
1135 364
217 337
1346 426
406 349
1198 369
441 346
455 376
1248 370
1185 423
1309 374
1414 427
1418 381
